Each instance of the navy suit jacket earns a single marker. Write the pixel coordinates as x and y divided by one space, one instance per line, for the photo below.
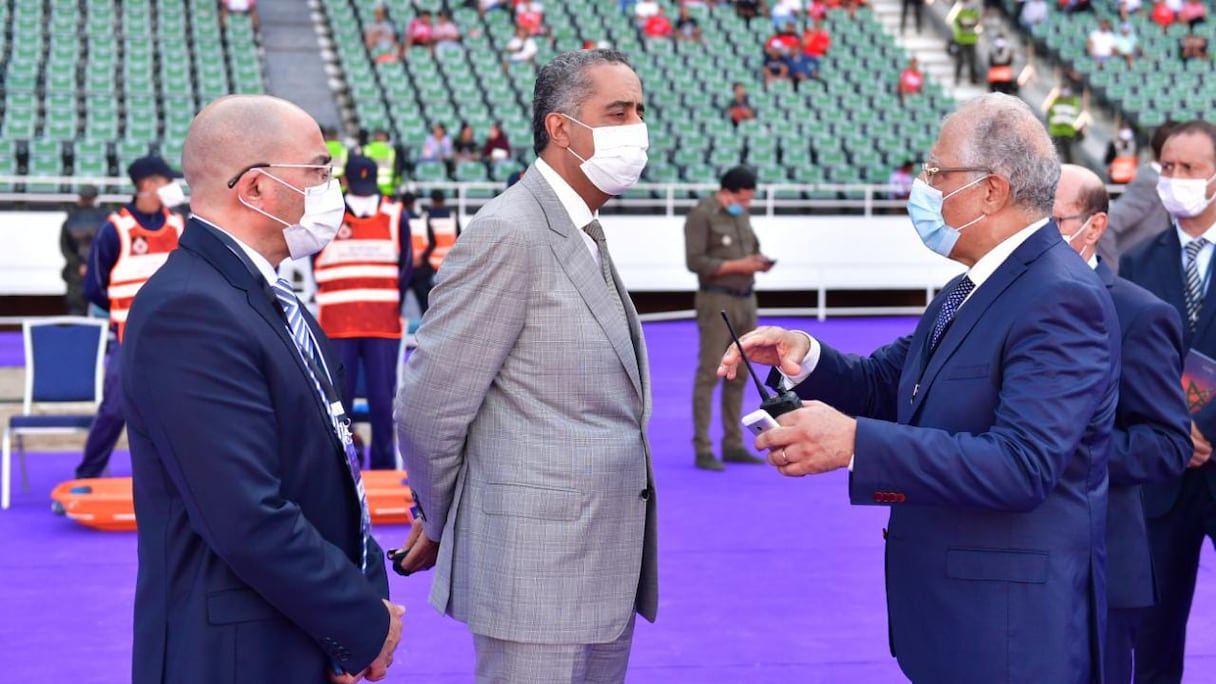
1156 265
993 453
1152 438
248 520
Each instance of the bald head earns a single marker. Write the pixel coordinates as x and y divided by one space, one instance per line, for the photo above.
1080 208
234 132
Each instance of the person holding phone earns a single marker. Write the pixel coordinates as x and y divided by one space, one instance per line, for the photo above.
721 248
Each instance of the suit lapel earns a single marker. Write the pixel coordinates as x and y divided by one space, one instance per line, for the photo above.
981 299
202 239
576 260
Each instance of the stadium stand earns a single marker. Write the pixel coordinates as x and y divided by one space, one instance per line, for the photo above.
1155 87
90 85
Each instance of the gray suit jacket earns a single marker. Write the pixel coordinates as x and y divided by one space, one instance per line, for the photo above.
522 421
1135 217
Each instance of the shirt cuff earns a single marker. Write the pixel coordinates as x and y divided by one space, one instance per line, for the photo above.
808 362
851 459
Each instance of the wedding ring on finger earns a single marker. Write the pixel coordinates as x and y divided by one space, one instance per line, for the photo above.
785 460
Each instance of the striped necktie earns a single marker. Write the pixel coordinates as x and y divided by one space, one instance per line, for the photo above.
304 343
1194 282
949 308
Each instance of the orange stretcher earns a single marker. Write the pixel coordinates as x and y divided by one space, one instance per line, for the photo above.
106 503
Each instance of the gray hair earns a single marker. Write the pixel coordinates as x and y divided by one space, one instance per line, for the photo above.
1006 136
562 86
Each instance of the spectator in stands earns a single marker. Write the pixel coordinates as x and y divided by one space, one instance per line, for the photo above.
1034 12
466 148
483 5
966 36
1162 15
437 146
817 9
1127 45
420 32
749 9
917 7
1129 7
815 44
75 241
249 7
801 67
739 108
521 49
381 38
1000 67
1193 12
496 147
658 26
688 30
786 12
1194 46
531 16
777 52
446 34
643 10
1076 6
900 181
1121 156
1101 43
911 81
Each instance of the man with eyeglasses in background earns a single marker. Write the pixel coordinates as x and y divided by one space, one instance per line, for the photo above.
256 561
986 431
1151 441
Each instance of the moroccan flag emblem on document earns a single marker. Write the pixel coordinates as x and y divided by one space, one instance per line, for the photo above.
1198 379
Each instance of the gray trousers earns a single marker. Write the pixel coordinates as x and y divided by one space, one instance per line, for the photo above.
715 338
509 662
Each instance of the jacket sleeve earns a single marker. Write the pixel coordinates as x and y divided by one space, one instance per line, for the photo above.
858 385
102 257
477 311
1152 439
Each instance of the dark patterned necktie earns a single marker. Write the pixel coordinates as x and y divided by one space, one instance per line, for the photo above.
303 339
1194 282
949 308
596 231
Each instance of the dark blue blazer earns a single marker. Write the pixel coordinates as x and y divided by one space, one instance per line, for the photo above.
1152 439
248 519
993 455
1156 265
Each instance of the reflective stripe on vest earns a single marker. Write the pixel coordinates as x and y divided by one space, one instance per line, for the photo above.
358 276
445 236
140 253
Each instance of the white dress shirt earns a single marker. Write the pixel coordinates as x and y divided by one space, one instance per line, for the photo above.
1204 259
578 211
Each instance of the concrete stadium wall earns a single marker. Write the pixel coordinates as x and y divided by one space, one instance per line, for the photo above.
812 252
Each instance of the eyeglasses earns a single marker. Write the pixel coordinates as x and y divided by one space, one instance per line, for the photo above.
928 171
327 170
1061 219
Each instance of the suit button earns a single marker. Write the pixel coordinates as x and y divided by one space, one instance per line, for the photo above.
877 497
645 495
900 498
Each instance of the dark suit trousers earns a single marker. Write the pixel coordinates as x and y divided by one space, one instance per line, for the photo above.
379 357
1122 625
107 426
1176 539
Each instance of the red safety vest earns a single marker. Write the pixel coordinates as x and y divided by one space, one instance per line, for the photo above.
141 252
419 238
445 231
358 276
1122 169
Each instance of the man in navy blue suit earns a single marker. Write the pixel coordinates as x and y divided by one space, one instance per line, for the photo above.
256 562
1152 428
987 431
1176 266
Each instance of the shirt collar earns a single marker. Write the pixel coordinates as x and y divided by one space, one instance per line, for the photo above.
987 264
578 211
261 262
1184 237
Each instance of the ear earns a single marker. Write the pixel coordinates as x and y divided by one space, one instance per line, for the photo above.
1096 228
251 186
558 128
997 194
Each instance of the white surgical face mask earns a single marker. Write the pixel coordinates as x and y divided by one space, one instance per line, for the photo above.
620 156
1184 197
323 211
171 195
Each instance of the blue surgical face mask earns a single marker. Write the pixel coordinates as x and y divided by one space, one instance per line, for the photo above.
734 209
925 210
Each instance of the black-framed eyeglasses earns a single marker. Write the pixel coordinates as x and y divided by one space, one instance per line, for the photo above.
1061 219
326 176
928 170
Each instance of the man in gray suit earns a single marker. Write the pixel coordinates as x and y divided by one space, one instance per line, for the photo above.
1138 214
522 413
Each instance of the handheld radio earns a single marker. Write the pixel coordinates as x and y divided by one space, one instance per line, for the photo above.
765 417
